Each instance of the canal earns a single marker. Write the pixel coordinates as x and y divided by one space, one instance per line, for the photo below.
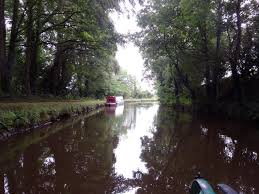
135 148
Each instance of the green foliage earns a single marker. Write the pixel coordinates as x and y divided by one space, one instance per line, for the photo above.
190 46
60 48
165 95
123 84
7 119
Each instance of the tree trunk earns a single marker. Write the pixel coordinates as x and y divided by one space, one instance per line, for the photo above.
176 91
56 70
236 55
35 50
34 70
64 75
207 68
215 76
182 77
185 80
11 59
205 51
29 47
2 46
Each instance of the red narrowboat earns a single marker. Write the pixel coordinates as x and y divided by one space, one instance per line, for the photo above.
114 100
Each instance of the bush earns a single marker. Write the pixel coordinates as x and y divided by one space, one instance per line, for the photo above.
7 119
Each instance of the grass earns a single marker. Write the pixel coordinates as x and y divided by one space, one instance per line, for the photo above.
26 114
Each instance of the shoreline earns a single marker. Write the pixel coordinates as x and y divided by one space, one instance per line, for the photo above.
227 111
141 100
20 118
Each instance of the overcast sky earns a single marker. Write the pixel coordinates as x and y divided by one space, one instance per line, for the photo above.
128 56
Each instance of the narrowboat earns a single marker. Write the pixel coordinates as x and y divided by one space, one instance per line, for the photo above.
114 100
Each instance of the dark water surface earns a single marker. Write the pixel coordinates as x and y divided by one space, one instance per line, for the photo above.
138 148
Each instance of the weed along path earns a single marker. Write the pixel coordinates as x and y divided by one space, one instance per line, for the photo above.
135 148
19 118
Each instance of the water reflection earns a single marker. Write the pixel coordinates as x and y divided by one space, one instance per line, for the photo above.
229 149
138 148
178 150
129 149
114 110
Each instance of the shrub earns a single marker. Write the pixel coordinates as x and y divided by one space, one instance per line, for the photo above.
7 119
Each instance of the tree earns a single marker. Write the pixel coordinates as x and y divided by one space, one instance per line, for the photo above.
195 44
2 44
11 58
57 47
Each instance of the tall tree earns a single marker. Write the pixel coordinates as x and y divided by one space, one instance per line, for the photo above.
11 58
235 61
217 63
192 36
29 45
2 44
36 47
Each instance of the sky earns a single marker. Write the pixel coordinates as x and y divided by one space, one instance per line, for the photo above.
128 55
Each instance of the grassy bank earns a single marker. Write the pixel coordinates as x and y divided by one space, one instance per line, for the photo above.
17 115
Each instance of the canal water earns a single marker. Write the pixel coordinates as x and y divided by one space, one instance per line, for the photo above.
135 148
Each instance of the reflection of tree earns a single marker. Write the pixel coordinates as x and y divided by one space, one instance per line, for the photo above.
30 167
161 153
180 148
1 182
80 158
75 160
91 153
233 145
130 116
122 123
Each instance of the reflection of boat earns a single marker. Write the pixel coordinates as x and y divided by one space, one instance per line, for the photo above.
114 110
201 186
114 100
